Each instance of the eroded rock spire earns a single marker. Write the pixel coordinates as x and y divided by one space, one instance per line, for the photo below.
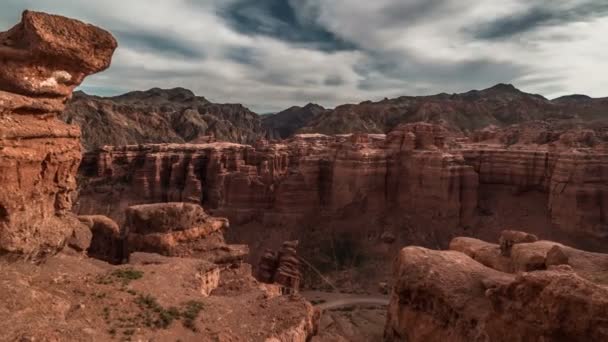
42 60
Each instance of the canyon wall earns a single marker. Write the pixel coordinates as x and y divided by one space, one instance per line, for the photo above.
418 172
42 60
278 183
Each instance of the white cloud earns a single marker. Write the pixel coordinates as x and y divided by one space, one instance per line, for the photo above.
403 47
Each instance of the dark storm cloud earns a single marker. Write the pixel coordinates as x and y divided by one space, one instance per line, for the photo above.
155 42
403 12
279 19
241 55
538 16
333 80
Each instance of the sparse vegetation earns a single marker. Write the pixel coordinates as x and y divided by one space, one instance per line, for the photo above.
190 314
99 295
150 313
124 276
106 313
154 315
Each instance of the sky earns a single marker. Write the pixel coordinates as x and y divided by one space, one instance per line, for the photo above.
272 54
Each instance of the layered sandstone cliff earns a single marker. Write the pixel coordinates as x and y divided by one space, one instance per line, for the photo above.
285 179
568 178
42 60
419 172
471 293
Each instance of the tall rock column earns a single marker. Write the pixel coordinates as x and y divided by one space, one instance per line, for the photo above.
42 59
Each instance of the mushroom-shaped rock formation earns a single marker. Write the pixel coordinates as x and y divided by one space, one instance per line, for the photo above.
42 59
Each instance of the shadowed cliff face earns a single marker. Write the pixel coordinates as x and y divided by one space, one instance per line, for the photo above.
42 60
284 124
500 105
159 116
359 197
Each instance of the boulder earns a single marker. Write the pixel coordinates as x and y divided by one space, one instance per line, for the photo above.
196 234
107 239
452 296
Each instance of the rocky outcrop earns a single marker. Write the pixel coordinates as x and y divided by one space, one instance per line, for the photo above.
107 238
204 274
467 295
42 60
179 229
159 116
282 267
527 256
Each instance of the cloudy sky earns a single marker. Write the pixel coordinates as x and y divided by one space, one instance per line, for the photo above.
271 54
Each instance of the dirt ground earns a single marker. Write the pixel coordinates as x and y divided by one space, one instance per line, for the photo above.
71 298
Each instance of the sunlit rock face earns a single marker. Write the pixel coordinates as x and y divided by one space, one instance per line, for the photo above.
541 290
42 59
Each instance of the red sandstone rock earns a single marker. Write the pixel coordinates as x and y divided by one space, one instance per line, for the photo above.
281 182
508 238
45 57
42 60
448 296
535 255
107 240
283 267
180 229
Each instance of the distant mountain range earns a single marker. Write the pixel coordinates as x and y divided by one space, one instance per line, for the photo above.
177 115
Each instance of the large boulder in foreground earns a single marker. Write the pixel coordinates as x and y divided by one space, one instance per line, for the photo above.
42 59
452 296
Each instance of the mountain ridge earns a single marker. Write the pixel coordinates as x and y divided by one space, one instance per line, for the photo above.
178 115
